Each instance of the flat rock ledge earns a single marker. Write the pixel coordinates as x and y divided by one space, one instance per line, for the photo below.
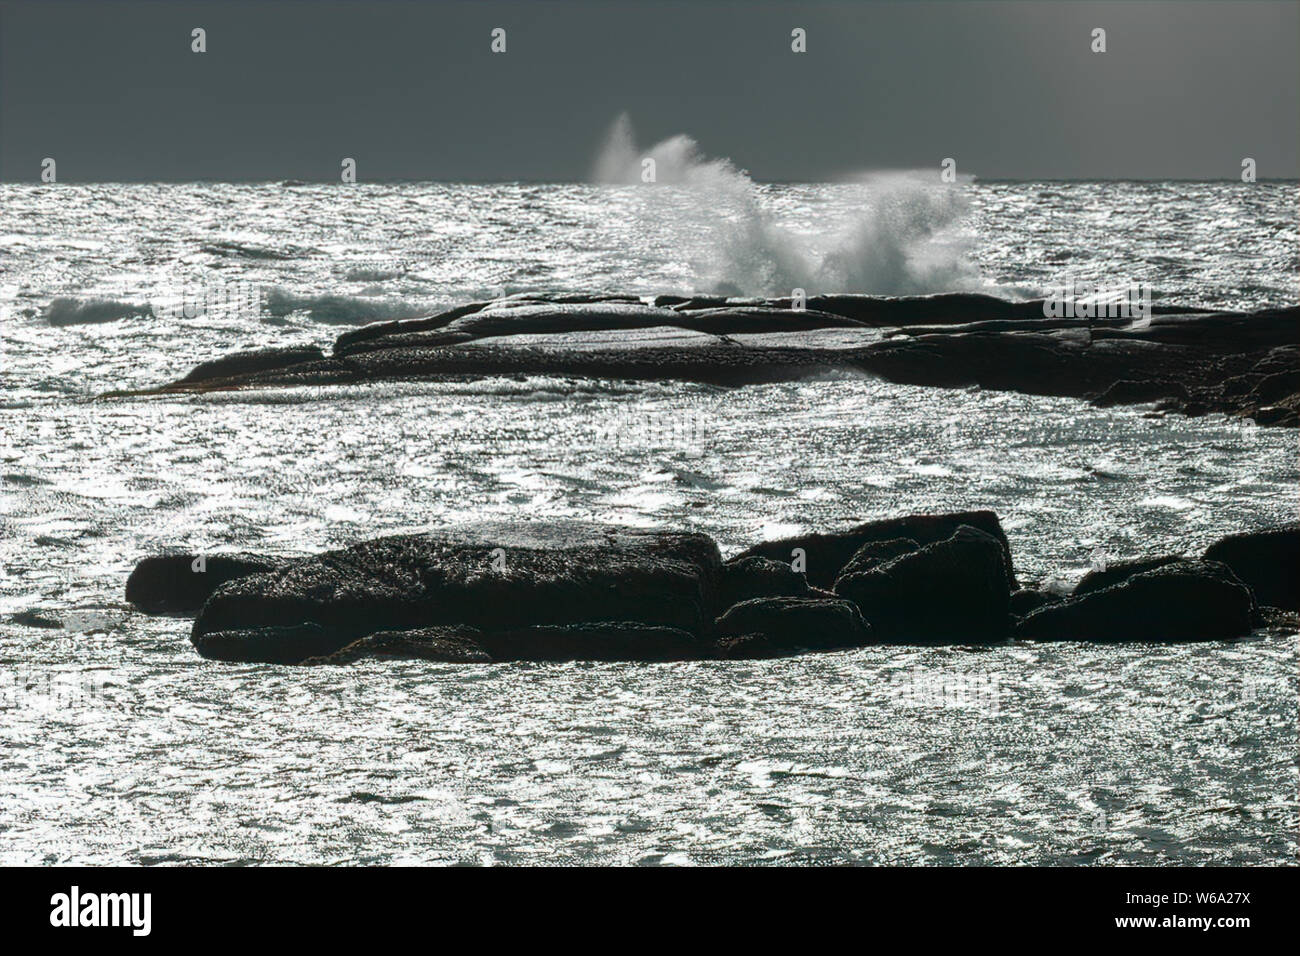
541 591
1184 359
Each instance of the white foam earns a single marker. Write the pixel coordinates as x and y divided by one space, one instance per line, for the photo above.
906 239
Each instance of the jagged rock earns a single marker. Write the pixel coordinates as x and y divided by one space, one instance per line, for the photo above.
1284 358
1267 561
452 645
827 554
875 553
749 578
951 590
1182 601
1200 351
414 581
790 624
1118 571
180 583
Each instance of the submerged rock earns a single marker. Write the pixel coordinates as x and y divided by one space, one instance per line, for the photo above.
180 583
952 590
67 310
1181 601
827 554
1267 561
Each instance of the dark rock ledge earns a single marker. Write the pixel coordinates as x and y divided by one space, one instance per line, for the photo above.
1188 360
556 592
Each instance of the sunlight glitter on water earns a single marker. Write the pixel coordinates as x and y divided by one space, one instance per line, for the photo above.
121 745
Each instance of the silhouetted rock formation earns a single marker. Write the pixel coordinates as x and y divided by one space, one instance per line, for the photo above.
1191 361
559 591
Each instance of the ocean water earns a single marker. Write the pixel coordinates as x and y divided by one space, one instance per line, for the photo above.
119 744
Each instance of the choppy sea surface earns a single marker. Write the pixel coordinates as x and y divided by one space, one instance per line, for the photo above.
118 744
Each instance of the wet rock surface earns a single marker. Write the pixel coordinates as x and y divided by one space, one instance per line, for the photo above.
1189 360
272 644
875 553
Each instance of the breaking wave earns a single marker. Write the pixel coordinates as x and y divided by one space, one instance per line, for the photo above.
907 239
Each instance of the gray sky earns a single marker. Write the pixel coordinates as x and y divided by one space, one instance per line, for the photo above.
286 90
